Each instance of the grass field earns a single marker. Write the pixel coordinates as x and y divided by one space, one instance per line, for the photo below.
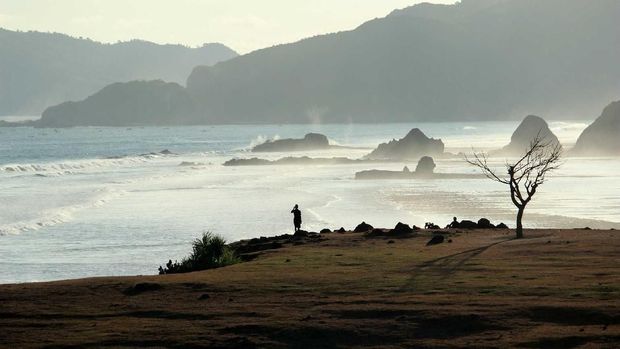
553 289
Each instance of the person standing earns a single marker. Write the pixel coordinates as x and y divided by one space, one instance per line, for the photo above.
296 218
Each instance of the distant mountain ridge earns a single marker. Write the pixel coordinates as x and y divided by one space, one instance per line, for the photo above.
38 70
474 60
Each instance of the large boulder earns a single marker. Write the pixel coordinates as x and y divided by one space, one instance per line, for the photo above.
401 229
363 227
602 138
426 166
484 223
531 127
415 145
311 141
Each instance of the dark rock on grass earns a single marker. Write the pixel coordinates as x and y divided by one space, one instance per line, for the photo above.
326 231
465 224
401 229
204 297
484 223
141 288
301 234
502 226
341 231
363 228
436 240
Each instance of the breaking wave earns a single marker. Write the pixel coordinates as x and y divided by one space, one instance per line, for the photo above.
58 215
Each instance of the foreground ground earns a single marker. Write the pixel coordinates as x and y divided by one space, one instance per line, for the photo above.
554 289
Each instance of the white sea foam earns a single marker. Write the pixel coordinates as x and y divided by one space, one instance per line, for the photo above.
58 215
77 166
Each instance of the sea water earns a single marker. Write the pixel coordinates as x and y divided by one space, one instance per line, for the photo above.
92 201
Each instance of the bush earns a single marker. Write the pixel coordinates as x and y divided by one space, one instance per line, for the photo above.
208 252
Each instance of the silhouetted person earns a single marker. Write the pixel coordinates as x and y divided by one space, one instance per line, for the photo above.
454 224
296 217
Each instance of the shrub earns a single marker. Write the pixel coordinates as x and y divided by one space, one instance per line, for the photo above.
208 252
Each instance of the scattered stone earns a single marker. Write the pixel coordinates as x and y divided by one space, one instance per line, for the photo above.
436 240
204 297
363 228
391 242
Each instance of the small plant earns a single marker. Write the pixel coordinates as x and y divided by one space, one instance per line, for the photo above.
208 252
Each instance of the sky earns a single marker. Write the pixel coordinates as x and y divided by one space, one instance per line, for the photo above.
243 25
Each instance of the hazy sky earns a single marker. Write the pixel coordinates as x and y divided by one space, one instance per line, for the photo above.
244 25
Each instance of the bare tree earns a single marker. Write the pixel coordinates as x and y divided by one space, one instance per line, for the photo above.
526 174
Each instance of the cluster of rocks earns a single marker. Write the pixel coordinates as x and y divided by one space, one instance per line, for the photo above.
249 250
483 223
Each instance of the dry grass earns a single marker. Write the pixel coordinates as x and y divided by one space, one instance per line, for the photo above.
554 289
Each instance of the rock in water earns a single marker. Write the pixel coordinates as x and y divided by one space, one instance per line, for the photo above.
426 166
363 227
527 131
415 145
602 138
311 141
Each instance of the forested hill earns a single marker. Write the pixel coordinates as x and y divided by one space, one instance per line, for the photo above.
38 70
475 60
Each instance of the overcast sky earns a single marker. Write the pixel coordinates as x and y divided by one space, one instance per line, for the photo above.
244 25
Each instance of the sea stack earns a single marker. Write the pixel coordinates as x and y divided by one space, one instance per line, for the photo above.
415 145
602 138
426 166
527 131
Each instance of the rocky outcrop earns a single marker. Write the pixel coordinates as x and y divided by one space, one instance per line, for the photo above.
414 146
531 127
426 166
312 141
602 138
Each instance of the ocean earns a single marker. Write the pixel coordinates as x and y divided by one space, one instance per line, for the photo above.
90 201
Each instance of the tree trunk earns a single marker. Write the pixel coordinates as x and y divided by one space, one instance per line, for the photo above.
520 223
